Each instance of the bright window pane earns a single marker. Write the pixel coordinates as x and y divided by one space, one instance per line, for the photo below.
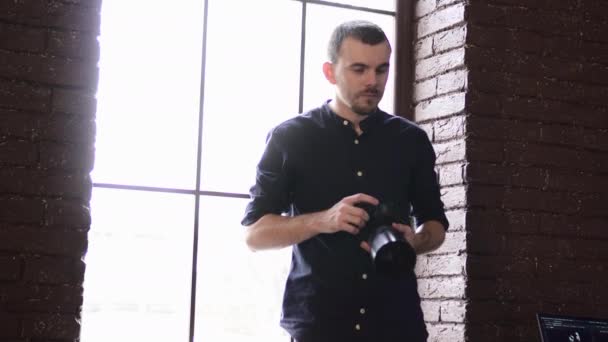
252 82
239 293
386 5
148 95
321 21
139 267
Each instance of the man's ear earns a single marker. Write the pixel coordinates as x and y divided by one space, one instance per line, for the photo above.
328 71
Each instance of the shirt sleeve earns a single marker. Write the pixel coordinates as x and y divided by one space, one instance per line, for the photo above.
424 192
270 194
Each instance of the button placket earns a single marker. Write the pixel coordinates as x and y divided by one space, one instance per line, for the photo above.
356 157
358 161
360 319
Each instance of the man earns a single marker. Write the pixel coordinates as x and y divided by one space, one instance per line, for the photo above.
319 166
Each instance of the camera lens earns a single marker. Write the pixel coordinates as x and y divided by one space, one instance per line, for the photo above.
390 252
395 259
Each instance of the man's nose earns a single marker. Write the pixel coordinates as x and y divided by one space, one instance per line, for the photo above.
371 78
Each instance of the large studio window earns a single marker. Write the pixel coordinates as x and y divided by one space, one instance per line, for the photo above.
188 91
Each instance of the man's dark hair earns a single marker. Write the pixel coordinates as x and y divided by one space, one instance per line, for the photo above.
364 31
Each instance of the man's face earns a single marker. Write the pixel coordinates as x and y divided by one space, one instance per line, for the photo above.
360 74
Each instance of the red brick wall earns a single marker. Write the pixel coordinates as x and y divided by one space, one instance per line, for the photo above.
48 76
537 165
514 94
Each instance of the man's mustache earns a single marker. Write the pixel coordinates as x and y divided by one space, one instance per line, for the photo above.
370 91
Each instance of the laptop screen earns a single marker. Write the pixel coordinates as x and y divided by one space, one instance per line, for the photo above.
559 328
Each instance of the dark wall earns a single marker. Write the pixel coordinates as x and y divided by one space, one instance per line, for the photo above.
48 77
537 166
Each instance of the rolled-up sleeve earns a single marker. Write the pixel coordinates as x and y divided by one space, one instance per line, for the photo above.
424 191
270 194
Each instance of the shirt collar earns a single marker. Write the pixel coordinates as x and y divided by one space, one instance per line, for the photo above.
373 120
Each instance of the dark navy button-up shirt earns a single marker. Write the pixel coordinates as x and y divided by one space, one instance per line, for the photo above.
311 162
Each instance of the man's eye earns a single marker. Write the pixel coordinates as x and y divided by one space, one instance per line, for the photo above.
358 70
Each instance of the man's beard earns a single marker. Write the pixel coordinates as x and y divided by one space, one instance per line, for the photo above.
371 107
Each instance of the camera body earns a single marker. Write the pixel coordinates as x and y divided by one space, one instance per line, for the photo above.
391 254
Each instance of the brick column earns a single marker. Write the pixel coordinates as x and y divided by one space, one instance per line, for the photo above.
439 103
48 77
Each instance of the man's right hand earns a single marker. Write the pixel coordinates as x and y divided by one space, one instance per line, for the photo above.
276 231
344 215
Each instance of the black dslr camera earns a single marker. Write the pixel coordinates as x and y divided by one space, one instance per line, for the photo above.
391 253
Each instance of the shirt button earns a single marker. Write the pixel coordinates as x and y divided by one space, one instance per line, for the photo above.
357 327
364 276
362 311
345 122
356 141
359 173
